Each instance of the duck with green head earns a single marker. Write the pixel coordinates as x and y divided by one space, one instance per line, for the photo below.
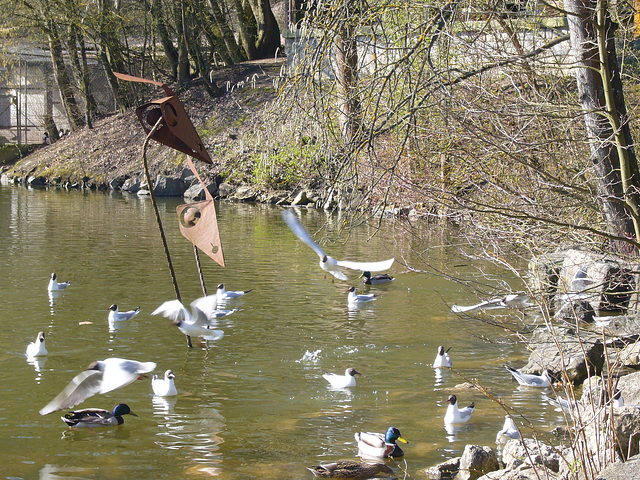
378 445
97 417
349 469
379 279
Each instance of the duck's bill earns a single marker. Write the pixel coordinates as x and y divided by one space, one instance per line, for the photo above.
400 439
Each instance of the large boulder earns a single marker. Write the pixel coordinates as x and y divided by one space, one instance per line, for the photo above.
477 461
196 191
444 470
523 472
580 354
531 453
169 187
621 471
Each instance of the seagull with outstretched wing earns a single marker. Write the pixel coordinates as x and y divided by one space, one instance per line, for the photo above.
327 263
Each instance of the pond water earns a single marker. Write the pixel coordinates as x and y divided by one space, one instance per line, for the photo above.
252 405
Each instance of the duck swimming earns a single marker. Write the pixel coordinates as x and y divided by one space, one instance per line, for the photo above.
378 445
97 417
455 415
164 387
379 279
349 469
37 348
342 381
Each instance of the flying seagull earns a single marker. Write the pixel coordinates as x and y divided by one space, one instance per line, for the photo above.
327 263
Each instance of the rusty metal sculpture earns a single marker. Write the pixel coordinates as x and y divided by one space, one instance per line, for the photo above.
166 121
198 221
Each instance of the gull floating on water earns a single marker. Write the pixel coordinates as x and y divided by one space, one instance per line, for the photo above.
455 415
512 300
508 431
164 387
54 286
342 381
37 348
222 294
563 404
379 279
355 299
101 376
529 379
97 417
197 322
327 263
443 360
116 316
380 445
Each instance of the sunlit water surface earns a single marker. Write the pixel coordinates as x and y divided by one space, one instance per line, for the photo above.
252 405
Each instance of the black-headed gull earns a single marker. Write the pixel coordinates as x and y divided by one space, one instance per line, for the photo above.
380 445
529 379
455 415
54 286
342 381
509 431
512 300
354 299
327 263
164 387
222 293
117 316
563 404
197 322
443 360
37 348
101 376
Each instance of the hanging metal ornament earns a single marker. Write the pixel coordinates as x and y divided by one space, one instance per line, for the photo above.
198 221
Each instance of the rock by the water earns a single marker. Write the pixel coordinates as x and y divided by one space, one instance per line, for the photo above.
530 452
245 194
131 185
444 470
36 181
196 191
477 461
545 354
523 472
621 471
225 190
168 187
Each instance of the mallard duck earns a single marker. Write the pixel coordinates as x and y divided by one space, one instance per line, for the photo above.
455 415
327 263
97 417
164 387
378 445
354 299
529 379
37 348
342 381
101 376
349 469
222 294
379 279
443 360
54 286
116 316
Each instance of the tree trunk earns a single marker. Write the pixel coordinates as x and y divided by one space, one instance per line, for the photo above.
591 94
267 34
217 16
74 116
170 52
78 54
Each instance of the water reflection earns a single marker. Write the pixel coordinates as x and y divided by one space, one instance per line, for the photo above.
163 405
38 365
57 472
453 431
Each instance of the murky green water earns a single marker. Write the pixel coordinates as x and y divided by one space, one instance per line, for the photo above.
252 405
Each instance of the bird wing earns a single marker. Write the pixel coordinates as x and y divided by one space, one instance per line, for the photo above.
119 372
367 266
83 386
298 229
373 439
173 310
207 305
